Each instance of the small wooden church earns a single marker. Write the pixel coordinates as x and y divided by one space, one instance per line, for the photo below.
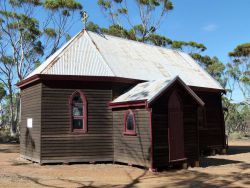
103 98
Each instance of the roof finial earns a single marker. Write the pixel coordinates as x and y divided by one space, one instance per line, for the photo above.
85 17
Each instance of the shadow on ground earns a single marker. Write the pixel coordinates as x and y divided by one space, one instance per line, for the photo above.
158 180
170 178
232 150
207 162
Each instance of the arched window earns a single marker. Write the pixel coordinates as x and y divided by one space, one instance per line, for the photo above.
78 111
129 124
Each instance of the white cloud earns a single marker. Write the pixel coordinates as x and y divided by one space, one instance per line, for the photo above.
210 28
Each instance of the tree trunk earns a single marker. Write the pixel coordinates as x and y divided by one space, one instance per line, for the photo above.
18 113
12 111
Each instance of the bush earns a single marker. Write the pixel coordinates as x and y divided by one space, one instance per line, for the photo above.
238 135
5 136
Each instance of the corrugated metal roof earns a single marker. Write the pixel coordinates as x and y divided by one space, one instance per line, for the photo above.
79 56
149 91
92 54
143 91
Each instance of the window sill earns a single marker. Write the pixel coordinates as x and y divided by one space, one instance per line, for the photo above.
129 134
78 131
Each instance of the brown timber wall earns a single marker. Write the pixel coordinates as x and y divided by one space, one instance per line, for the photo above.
160 128
132 149
58 143
30 138
212 133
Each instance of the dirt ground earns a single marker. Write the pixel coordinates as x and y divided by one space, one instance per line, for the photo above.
231 170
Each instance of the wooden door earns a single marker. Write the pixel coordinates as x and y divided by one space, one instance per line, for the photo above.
175 127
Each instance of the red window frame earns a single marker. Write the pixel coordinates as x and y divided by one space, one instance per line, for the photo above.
84 117
126 131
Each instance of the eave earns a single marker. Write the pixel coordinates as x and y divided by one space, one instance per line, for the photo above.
42 77
126 104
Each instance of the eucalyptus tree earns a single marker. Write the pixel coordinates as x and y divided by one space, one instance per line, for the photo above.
30 31
239 68
140 19
124 13
2 96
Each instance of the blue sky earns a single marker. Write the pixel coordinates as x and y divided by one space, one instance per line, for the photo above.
219 24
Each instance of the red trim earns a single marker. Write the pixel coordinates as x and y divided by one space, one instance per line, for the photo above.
84 117
127 104
151 139
40 77
175 93
126 131
186 87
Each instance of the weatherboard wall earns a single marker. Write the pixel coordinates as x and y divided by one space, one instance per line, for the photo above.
212 133
59 144
132 149
30 138
160 128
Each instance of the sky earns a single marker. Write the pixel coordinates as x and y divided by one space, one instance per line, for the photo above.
220 25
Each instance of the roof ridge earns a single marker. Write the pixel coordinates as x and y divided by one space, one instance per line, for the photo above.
135 41
92 41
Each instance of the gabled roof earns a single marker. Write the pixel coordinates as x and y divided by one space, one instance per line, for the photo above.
150 91
92 54
78 57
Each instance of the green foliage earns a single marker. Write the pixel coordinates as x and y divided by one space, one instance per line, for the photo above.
6 59
67 36
116 30
159 40
168 5
4 135
150 13
239 67
25 37
193 46
91 26
122 11
38 48
50 32
106 4
19 3
9 14
236 135
145 31
3 92
240 51
62 4
212 65
237 117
